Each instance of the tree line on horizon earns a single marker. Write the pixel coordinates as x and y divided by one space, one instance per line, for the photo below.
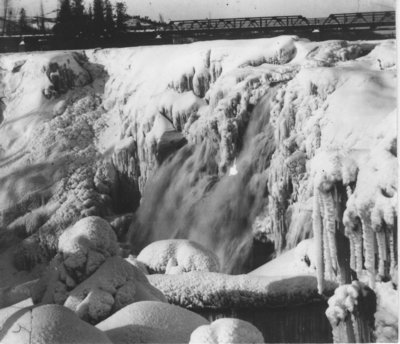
101 19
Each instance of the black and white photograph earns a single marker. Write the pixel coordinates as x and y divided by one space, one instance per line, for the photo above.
198 171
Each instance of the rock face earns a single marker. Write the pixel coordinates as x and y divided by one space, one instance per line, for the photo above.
227 331
114 285
300 121
177 256
151 322
46 324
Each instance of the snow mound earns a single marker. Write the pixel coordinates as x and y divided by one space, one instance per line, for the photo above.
179 255
227 331
220 291
82 249
114 285
46 324
297 261
151 322
387 314
86 245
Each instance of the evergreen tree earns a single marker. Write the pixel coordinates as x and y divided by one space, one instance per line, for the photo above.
98 17
42 26
64 22
23 24
121 16
78 12
109 18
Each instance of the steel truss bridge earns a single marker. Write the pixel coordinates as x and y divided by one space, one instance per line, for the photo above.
340 21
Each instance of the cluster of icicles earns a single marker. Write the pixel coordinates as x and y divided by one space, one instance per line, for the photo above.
369 223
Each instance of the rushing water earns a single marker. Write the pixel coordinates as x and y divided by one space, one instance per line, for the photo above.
186 198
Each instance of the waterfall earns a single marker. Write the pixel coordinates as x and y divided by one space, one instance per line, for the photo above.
189 198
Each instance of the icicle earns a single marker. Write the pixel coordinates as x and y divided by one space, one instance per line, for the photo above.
329 216
352 251
369 249
349 191
317 230
355 328
392 253
327 255
358 251
381 239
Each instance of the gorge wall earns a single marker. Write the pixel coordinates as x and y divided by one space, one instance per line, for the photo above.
219 142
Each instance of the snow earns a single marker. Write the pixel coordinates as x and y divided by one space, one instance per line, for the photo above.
82 249
151 322
46 324
161 255
297 261
87 244
114 285
220 291
227 331
387 314
325 113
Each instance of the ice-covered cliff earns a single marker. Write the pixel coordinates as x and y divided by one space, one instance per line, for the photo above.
217 142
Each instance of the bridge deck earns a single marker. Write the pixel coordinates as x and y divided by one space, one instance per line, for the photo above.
370 20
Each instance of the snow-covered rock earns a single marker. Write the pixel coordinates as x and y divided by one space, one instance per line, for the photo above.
276 109
387 314
177 256
297 261
114 285
220 291
82 249
46 324
227 331
151 322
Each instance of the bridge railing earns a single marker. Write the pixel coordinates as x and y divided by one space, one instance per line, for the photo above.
361 19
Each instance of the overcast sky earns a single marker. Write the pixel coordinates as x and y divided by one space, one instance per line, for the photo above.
192 9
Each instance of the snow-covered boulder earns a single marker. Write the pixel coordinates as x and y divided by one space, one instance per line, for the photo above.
219 291
227 330
46 324
86 245
151 322
82 248
114 285
178 255
387 314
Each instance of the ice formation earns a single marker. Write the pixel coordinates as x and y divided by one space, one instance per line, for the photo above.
227 331
46 324
387 313
114 285
349 303
216 142
167 256
229 103
82 249
220 291
151 322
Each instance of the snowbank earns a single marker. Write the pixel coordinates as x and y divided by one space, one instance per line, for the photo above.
114 285
297 261
151 322
177 256
227 331
220 291
46 324
387 313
